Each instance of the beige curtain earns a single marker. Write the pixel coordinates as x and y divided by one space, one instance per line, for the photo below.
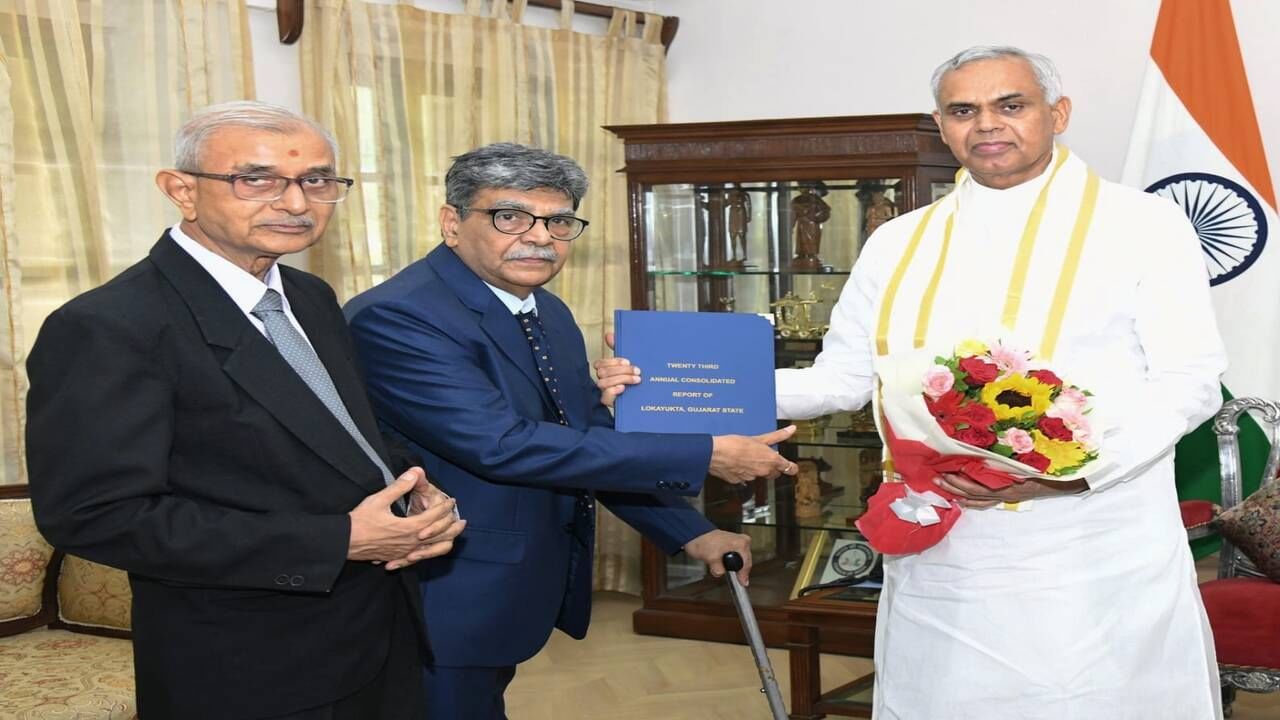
12 380
405 89
96 90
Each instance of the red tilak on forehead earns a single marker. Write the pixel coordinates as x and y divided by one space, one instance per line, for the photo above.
293 153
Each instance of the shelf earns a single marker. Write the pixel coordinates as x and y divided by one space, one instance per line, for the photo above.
832 518
832 438
837 513
771 584
731 273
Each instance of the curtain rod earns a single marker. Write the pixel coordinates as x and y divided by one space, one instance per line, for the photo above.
289 18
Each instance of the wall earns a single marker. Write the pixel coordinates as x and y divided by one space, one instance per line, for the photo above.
749 59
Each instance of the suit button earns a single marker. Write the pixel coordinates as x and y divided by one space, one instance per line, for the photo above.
683 485
282 579
297 580
662 484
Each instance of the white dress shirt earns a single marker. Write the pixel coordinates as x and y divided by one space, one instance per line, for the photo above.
244 289
513 303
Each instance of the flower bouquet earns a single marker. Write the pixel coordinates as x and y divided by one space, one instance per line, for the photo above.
988 412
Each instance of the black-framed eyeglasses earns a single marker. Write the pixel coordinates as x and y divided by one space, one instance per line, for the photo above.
517 222
266 187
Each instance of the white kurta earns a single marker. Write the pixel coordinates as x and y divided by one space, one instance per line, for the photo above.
1083 607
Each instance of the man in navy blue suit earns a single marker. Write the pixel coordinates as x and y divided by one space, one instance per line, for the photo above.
485 375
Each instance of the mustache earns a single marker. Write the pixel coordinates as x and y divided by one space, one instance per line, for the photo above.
300 221
532 252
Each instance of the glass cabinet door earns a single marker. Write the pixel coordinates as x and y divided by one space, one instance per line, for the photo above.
783 249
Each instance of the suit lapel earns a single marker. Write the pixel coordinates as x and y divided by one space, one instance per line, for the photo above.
257 367
496 320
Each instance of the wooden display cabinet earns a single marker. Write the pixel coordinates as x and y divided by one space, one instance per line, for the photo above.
768 217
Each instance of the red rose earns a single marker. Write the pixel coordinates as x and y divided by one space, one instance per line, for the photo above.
975 415
977 437
978 371
1054 428
1034 459
948 404
948 426
1047 377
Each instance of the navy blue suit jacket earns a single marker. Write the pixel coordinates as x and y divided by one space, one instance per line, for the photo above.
450 371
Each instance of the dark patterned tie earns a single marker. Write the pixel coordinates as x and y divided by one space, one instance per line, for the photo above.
583 525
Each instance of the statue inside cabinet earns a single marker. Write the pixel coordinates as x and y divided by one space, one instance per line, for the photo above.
809 490
808 212
876 208
738 206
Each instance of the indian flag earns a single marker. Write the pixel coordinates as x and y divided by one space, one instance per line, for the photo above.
1196 142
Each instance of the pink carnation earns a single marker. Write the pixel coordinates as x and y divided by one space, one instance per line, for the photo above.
1073 418
1071 399
937 381
1086 438
1018 439
1008 359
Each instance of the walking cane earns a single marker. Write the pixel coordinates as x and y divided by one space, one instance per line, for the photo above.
732 564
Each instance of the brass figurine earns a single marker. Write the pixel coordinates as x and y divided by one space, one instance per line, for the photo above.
794 317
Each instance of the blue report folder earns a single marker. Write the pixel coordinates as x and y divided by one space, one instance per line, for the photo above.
703 372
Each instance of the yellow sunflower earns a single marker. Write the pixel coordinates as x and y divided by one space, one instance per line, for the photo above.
1014 396
969 348
1061 453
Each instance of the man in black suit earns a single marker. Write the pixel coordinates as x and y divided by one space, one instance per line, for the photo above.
199 422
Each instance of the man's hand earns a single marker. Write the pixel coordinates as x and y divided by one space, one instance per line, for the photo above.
738 459
710 548
425 495
976 495
613 375
378 535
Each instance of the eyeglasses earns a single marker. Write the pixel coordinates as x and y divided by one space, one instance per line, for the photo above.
265 187
516 222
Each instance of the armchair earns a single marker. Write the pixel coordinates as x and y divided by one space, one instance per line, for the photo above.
1243 605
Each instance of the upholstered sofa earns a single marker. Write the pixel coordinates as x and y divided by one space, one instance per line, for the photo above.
64 623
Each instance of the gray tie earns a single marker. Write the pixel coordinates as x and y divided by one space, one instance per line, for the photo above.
299 354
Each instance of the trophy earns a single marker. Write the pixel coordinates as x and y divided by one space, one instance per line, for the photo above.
808 212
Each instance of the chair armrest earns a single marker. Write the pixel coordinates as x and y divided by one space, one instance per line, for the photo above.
1196 516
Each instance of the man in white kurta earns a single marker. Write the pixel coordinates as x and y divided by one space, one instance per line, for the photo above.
1084 604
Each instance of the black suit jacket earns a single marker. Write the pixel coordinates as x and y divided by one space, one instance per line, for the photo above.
166 436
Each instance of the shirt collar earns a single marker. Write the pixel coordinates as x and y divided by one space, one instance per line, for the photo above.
245 289
513 303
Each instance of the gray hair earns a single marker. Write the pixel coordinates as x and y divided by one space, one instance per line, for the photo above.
1046 74
188 144
518 167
